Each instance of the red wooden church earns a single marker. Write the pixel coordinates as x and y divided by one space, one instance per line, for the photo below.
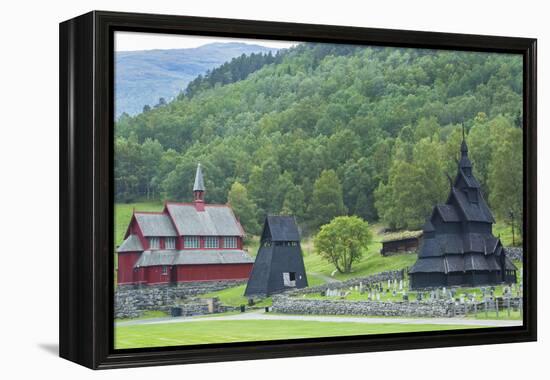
184 242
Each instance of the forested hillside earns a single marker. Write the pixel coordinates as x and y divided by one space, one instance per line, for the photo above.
143 77
328 130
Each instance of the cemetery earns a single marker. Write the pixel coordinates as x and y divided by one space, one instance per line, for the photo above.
389 294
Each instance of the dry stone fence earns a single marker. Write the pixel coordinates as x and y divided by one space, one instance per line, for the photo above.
131 301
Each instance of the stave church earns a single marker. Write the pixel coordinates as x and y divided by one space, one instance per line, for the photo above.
458 246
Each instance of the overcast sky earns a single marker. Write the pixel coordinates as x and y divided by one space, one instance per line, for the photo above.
130 41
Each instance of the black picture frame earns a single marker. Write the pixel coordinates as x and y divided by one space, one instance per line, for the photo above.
86 188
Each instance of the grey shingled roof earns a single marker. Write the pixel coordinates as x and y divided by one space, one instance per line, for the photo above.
155 224
476 262
473 212
282 228
216 220
448 213
428 264
193 257
508 264
448 244
454 263
428 226
131 244
470 180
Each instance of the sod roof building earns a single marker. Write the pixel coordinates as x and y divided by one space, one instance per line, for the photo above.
279 265
184 242
458 247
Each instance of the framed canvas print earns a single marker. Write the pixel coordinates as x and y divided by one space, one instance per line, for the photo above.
237 189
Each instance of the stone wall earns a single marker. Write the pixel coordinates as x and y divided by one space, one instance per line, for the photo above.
373 279
423 309
290 305
514 253
131 300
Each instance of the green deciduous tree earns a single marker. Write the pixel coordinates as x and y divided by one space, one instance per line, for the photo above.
327 199
406 200
294 202
244 208
506 178
343 241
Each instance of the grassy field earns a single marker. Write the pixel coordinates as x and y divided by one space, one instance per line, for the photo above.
149 314
505 232
189 333
371 262
514 315
234 297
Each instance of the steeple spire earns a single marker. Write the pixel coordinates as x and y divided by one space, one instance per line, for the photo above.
463 146
464 163
198 189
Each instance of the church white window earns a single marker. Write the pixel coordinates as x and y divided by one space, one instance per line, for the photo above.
191 242
170 243
230 242
154 243
211 242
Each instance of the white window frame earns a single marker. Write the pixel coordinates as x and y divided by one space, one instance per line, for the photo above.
154 243
170 243
230 242
191 242
165 270
211 242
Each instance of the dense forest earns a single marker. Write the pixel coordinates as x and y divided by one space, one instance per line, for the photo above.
323 130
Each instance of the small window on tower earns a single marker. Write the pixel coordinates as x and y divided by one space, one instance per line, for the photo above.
289 279
165 270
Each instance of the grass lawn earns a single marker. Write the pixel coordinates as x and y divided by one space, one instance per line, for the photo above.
234 297
371 262
149 314
502 314
188 333
505 232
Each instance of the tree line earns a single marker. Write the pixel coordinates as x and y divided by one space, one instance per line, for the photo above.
333 130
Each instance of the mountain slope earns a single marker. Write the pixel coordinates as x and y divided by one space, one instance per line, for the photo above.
384 120
142 77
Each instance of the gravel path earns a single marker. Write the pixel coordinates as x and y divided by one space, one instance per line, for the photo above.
260 315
